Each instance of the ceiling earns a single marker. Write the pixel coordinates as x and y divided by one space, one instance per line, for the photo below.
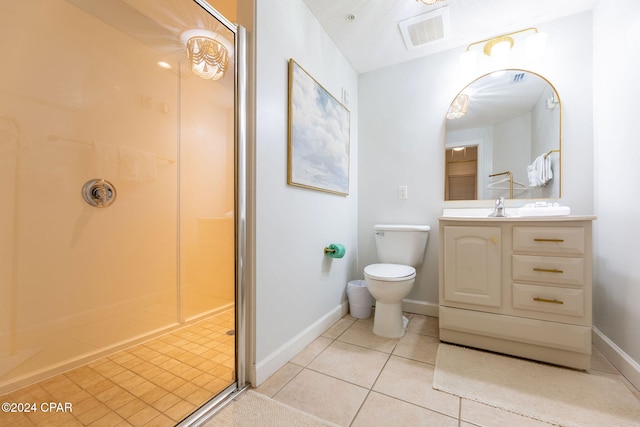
372 40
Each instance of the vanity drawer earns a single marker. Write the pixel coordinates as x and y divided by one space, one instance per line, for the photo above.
553 270
549 299
549 240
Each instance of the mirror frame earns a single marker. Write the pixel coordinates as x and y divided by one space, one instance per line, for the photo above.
559 150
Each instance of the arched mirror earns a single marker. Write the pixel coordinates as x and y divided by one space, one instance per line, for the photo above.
503 138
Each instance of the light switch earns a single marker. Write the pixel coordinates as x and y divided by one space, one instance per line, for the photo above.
345 97
403 192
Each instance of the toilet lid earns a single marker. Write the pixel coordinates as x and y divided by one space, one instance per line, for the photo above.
389 272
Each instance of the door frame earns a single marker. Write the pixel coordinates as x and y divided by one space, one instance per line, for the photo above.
243 300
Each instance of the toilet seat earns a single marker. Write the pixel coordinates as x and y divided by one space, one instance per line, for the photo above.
389 272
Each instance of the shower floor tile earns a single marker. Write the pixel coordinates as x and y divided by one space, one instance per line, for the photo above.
155 383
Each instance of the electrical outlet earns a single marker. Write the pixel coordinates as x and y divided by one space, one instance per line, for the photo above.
403 192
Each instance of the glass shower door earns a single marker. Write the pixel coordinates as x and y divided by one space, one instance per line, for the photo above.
97 102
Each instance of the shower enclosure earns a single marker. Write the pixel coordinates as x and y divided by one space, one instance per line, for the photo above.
118 180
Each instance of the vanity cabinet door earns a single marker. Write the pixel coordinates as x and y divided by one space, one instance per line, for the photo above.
472 265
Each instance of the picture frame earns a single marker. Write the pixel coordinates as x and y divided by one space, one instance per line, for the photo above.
318 137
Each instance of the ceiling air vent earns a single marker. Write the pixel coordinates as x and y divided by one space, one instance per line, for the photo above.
518 77
427 28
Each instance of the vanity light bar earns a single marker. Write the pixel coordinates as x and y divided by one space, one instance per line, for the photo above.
502 37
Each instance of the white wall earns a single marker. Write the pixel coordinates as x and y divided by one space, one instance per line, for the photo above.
297 286
617 235
401 142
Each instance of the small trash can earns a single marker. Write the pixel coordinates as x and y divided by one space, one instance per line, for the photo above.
360 300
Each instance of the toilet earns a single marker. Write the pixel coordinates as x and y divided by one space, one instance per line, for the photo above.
400 249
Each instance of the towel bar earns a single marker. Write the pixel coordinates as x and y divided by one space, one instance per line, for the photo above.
549 153
510 181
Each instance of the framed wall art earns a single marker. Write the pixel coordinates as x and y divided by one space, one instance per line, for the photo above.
318 151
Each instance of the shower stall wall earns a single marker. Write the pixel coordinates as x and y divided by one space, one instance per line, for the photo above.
100 90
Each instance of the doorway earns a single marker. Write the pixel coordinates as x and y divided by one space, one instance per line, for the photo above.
461 173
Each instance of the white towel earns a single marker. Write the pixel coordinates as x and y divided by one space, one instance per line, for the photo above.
539 172
548 174
534 170
137 165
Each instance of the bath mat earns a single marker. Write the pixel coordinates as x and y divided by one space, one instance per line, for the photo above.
253 409
547 393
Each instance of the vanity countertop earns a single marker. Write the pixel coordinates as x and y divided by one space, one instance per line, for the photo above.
558 218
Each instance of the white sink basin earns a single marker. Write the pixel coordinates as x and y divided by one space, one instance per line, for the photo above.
511 212
467 212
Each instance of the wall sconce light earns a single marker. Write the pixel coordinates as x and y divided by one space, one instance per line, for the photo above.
459 107
498 48
551 101
207 53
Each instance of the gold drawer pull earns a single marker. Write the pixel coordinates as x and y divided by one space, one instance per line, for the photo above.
548 270
551 301
548 240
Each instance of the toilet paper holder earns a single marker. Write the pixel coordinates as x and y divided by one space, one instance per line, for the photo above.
334 250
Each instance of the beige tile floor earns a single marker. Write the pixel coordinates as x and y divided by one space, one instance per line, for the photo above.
351 377
348 376
156 383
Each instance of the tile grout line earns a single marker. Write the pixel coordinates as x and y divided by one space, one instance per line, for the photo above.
314 358
370 389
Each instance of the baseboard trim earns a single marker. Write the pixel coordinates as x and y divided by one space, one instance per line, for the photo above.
266 367
420 307
618 358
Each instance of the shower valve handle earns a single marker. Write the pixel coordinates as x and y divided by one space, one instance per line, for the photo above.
99 193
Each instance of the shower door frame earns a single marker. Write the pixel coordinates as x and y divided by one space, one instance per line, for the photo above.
241 383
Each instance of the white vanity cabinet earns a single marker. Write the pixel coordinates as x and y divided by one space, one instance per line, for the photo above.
520 286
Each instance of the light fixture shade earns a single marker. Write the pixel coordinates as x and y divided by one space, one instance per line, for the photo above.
207 57
498 48
459 107
501 50
500 53
430 2
208 53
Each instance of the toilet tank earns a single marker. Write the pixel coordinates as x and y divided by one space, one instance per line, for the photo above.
401 244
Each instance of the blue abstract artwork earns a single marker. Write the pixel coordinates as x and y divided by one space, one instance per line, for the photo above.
318 135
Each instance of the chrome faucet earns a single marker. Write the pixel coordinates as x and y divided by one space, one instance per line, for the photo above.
499 209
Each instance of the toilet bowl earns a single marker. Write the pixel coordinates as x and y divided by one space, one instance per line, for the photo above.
400 249
389 284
